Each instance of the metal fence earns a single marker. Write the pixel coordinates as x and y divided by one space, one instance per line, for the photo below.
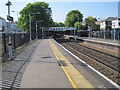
103 34
106 34
18 39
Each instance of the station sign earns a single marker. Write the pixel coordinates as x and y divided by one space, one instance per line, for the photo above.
9 18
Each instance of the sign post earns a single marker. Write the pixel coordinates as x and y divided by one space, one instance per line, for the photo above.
9 18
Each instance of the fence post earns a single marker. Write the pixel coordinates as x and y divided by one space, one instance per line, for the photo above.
114 34
4 40
14 40
104 35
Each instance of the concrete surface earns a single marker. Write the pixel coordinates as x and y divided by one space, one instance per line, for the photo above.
43 71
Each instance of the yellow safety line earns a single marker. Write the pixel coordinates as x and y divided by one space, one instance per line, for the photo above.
66 73
75 78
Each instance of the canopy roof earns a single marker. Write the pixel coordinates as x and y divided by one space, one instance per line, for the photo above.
71 28
58 29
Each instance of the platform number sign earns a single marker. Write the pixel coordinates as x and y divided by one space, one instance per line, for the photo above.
9 18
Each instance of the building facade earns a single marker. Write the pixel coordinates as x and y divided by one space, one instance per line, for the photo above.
102 25
116 24
110 23
3 25
14 28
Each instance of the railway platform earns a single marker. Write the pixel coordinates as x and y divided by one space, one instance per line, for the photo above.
111 45
46 64
97 40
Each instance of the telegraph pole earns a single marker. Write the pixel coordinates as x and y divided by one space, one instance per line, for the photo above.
9 18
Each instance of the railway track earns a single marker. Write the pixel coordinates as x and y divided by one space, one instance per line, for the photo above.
105 63
109 61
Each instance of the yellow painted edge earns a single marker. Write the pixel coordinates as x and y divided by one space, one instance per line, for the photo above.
66 73
76 82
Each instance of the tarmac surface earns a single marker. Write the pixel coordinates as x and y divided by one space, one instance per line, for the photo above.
44 64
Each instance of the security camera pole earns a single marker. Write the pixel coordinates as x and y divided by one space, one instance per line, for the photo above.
36 28
9 18
30 24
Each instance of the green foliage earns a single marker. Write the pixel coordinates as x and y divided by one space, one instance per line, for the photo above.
79 26
58 24
72 17
76 25
91 22
45 16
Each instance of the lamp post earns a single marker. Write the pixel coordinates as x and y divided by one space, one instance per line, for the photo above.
30 23
9 44
89 31
36 28
78 26
8 4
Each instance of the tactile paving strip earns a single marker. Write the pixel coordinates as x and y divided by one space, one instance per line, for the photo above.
13 70
9 73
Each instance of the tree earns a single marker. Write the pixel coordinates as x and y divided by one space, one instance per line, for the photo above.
81 27
58 24
44 16
90 21
72 17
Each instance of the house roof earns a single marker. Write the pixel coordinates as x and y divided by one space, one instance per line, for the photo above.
97 22
108 19
1 18
111 18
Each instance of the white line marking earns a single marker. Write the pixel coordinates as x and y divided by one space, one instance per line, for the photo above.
113 83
